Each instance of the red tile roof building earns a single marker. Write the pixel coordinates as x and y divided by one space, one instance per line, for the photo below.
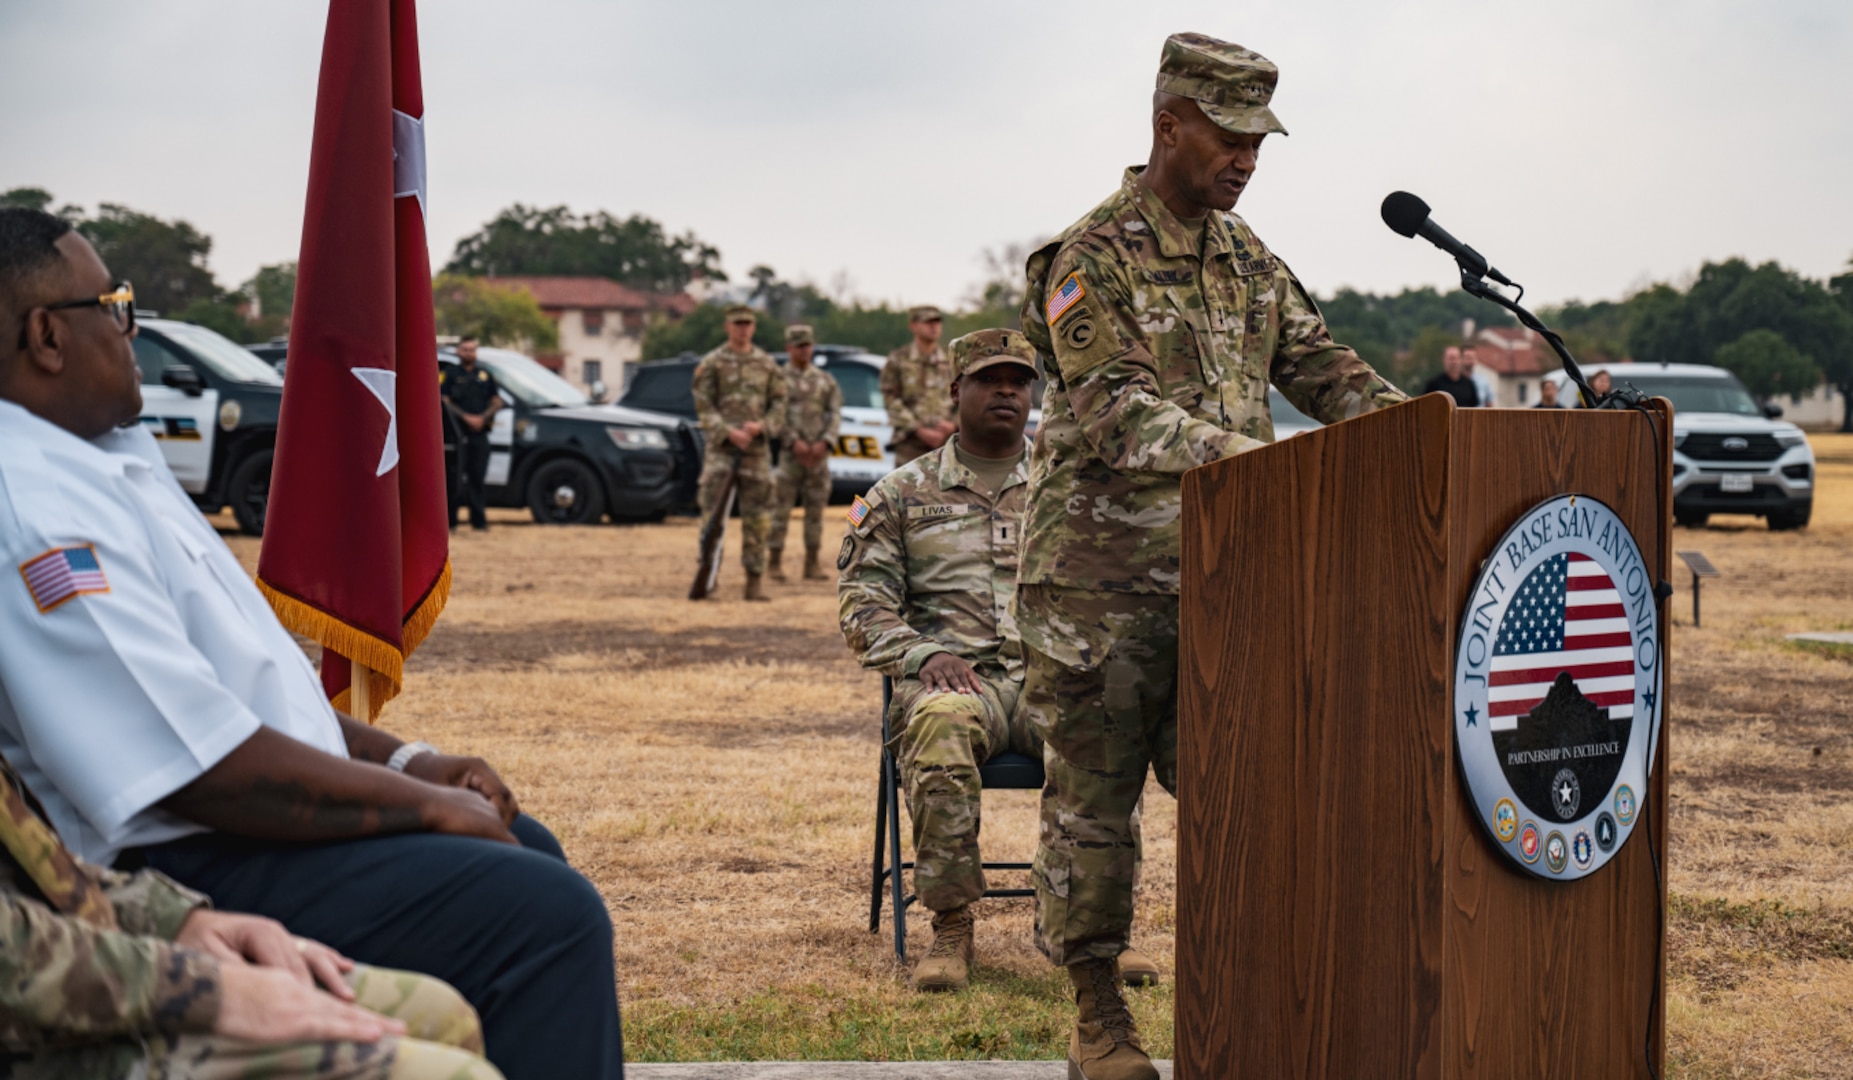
601 321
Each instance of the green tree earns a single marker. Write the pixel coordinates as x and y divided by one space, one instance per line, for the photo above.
1732 298
634 250
704 329
31 198
165 259
1768 365
501 316
1838 366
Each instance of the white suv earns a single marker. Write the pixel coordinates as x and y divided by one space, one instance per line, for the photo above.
1729 455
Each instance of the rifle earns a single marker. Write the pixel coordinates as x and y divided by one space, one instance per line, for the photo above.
714 533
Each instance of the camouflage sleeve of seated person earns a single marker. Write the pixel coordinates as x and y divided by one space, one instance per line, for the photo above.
872 590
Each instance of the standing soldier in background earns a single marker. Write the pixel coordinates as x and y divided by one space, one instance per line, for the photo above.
740 401
1161 320
916 386
813 414
472 397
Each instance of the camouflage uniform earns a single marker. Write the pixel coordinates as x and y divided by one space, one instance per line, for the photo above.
917 391
1159 339
932 568
732 389
814 411
92 986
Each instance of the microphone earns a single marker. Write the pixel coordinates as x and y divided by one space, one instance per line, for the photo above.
1408 215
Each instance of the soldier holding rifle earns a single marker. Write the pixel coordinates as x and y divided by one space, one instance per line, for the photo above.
1160 320
740 396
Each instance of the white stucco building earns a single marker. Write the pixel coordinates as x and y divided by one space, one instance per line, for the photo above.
601 323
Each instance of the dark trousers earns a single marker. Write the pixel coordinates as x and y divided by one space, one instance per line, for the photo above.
473 463
518 932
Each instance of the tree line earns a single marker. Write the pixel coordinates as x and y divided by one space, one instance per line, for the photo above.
1778 331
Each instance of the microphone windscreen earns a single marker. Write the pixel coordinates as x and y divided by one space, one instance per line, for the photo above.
1404 212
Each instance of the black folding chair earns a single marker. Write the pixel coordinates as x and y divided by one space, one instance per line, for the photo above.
1003 772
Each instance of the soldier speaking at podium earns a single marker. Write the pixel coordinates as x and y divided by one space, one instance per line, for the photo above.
1160 319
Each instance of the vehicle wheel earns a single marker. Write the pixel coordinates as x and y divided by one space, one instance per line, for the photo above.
1784 520
565 492
1691 519
248 492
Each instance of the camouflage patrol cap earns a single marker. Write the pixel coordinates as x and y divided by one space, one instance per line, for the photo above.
988 348
799 334
741 313
922 313
1229 83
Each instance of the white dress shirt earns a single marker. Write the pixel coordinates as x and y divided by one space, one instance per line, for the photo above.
112 700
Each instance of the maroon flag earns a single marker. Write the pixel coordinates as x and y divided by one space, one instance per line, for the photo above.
356 547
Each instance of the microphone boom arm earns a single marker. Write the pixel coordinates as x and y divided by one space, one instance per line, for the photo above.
1474 284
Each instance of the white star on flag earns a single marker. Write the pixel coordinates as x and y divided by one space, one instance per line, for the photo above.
408 158
380 383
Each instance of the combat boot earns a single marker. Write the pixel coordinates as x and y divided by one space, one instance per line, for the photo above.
1137 969
947 965
773 569
811 570
755 588
1105 1045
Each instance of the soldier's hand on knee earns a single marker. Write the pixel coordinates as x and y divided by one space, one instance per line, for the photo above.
266 1005
947 674
234 938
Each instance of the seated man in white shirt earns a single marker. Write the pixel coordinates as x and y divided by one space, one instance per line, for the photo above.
151 699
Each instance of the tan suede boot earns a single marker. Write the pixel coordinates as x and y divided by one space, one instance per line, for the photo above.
1105 1045
811 570
773 569
1137 969
947 965
755 588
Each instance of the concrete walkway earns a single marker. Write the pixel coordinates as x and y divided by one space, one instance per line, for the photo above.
1825 637
861 1070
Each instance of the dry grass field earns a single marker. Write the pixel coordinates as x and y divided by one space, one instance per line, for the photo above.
712 768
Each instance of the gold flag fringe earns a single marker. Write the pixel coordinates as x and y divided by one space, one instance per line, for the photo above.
382 659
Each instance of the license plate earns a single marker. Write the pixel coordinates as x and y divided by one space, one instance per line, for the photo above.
1735 483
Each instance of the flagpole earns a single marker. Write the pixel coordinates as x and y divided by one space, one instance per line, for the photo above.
360 692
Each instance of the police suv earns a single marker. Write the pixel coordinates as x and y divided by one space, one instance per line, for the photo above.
1729 455
213 407
860 456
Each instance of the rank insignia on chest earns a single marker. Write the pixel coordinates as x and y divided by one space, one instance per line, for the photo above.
858 510
1067 295
63 573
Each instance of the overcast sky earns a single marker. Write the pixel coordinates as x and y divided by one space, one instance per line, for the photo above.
1586 146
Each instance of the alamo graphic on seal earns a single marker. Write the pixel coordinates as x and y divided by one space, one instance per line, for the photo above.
1557 681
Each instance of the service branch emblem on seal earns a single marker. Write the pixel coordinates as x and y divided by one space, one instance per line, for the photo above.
1557 686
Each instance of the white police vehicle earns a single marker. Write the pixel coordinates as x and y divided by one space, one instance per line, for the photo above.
1729 455
212 405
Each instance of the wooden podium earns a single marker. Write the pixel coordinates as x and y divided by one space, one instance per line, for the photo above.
1341 912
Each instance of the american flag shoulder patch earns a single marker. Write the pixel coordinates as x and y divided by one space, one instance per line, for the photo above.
1065 296
858 510
63 573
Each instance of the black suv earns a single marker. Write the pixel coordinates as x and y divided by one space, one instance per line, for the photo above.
213 406
569 461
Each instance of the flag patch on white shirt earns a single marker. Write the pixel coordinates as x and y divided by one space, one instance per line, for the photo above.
62 573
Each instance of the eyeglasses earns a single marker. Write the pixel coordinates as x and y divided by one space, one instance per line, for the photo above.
118 304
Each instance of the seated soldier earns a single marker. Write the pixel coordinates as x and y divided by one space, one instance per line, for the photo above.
163 715
929 568
110 975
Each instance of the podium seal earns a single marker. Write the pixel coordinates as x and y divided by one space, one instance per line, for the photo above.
1557 686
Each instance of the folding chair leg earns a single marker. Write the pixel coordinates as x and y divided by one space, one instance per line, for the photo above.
881 825
894 877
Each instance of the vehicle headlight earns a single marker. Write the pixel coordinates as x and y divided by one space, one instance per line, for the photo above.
630 438
1790 438
1679 439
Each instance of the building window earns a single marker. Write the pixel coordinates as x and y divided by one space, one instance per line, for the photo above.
594 371
593 321
1524 391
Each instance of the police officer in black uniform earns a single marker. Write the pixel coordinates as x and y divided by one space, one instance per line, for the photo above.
471 398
